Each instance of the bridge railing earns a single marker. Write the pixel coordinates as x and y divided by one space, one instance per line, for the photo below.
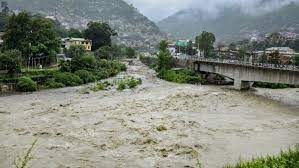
238 62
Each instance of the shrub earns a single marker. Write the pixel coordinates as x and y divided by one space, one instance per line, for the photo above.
121 86
65 66
85 76
101 74
98 87
51 84
68 79
271 85
119 66
11 61
26 84
181 76
87 62
132 83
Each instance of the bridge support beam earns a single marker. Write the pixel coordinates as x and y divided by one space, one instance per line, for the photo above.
242 85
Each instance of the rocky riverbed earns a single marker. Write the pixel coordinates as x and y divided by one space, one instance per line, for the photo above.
159 124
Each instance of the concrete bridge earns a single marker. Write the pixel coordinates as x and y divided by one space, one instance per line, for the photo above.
243 73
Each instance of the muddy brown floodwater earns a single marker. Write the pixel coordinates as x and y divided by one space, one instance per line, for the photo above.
159 124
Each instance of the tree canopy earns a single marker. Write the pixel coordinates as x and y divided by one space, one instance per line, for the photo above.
11 61
100 34
205 42
164 60
31 35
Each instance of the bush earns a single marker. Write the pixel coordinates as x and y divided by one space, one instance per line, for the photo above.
85 76
65 66
119 66
51 84
271 85
11 61
26 84
181 76
101 74
68 79
98 87
87 62
132 83
121 86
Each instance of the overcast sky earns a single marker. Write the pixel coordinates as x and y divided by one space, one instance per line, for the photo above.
159 9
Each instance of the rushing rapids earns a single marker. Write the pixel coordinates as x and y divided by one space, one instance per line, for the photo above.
160 124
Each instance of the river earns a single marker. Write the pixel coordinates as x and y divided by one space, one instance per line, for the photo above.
159 124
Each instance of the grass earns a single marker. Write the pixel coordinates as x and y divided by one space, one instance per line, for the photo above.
287 159
23 162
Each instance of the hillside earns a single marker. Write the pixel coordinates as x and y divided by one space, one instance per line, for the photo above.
133 28
232 23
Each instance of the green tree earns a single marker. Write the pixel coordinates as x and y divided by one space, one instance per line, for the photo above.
264 58
242 54
232 46
100 34
31 35
274 57
4 15
103 53
164 61
130 52
296 60
11 60
189 49
205 42
17 32
75 33
75 51
163 46
86 62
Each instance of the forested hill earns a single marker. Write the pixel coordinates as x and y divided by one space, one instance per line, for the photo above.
133 28
232 23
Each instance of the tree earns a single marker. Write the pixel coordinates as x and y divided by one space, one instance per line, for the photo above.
232 46
274 57
163 46
4 15
75 33
17 32
75 51
164 60
264 58
130 52
103 53
242 54
205 42
100 34
31 35
295 60
11 60
189 49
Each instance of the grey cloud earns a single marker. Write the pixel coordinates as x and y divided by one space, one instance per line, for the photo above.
159 9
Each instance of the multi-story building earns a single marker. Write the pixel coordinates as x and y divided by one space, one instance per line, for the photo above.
68 42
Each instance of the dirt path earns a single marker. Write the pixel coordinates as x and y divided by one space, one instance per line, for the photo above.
160 124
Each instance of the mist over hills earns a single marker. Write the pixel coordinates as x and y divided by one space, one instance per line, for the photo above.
235 22
133 28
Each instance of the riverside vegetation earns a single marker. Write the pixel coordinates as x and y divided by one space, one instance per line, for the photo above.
163 64
83 68
288 159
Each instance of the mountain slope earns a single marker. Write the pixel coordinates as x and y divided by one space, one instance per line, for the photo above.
232 23
133 28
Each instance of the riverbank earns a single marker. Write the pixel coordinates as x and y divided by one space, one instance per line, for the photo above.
159 124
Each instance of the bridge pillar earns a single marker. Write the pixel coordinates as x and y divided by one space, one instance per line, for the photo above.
242 85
